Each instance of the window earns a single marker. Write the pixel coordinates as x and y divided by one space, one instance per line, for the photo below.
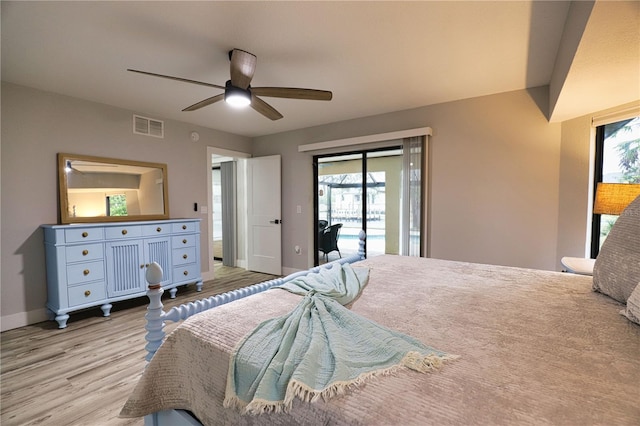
116 205
617 160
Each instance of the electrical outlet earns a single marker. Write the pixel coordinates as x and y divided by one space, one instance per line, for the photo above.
297 249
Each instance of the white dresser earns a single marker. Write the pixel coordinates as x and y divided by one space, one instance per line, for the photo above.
97 264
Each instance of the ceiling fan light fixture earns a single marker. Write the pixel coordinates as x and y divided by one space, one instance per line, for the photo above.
236 96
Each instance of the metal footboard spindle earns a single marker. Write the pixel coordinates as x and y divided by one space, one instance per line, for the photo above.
156 317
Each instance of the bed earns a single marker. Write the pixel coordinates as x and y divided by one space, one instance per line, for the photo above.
534 347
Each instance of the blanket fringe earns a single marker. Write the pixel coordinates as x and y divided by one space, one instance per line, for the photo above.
295 389
234 403
425 363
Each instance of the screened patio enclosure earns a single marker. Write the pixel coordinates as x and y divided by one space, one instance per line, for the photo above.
340 201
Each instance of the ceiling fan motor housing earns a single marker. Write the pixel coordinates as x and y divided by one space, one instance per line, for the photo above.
236 96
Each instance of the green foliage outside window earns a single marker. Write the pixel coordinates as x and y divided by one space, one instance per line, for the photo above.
118 205
630 160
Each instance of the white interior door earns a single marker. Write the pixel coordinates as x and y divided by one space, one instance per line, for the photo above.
264 245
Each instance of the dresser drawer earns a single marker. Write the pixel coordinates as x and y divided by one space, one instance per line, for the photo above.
183 227
84 252
76 235
156 230
117 232
85 272
186 272
184 255
183 241
87 293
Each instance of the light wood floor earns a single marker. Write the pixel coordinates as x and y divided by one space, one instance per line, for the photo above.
82 375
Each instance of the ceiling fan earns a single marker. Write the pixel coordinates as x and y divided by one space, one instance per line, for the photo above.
238 90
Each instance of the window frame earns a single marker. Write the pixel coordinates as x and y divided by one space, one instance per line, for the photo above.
598 165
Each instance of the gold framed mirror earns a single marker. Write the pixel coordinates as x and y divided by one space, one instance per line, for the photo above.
96 189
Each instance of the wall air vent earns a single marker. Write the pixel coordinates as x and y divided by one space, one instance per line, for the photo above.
148 126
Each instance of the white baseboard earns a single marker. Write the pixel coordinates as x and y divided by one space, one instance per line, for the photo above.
9 322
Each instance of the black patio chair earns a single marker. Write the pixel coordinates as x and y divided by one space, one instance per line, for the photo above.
328 240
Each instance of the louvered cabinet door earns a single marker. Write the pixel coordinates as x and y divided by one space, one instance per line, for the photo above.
159 250
125 268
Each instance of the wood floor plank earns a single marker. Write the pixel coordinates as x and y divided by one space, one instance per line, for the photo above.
83 374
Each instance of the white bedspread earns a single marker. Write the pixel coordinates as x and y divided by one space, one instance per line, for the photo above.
536 347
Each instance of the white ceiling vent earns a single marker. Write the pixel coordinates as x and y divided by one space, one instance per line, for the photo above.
148 126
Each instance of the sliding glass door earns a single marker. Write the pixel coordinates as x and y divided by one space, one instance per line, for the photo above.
339 203
375 190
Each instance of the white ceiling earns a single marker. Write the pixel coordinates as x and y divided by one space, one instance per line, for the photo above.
376 57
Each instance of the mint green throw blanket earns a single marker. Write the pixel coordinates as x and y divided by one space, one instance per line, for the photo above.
320 349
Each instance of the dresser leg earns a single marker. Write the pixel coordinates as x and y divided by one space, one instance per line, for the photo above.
172 292
62 320
106 309
199 285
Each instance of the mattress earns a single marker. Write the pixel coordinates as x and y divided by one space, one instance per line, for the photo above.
535 347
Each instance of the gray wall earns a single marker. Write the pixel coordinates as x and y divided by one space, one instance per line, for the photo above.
496 166
36 126
506 186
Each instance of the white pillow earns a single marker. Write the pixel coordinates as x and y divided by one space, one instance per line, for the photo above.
632 310
616 271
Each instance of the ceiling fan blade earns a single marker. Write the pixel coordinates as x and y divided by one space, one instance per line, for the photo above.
243 65
204 103
264 108
293 93
185 80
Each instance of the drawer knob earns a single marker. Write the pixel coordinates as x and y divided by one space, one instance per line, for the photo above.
159 229
87 293
85 252
184 241
85 272
85 234
186 273
184 256
124 232
184 226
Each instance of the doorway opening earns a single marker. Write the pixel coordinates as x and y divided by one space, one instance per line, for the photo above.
217 212
225 198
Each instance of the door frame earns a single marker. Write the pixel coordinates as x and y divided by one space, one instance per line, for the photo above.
211 151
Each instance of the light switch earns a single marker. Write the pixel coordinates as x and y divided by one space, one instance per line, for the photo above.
298 209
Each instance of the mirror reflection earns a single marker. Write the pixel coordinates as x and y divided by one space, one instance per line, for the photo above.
94 189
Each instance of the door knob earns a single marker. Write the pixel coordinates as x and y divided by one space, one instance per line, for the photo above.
276 221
